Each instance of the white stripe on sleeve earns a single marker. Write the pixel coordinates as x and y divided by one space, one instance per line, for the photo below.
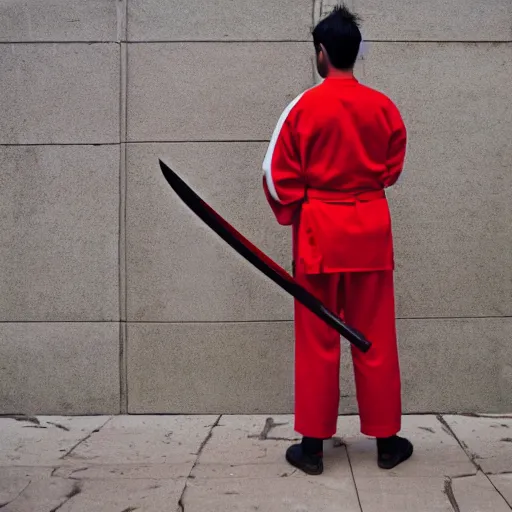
267 163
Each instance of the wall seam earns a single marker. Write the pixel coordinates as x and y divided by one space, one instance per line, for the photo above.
123 332
316 13
254 321
260 41
289 320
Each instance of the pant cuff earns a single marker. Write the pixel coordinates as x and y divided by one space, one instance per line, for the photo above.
380 431
317 433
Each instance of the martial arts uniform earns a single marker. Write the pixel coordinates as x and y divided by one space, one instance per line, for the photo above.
335 149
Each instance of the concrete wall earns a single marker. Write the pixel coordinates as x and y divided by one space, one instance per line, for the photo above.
115 298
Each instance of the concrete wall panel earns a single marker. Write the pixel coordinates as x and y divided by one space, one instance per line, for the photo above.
178 269
58 20
324 7
174 20
60 223
447 365
58 93
436 20
213 91
59 368
457 365
452 209
231 367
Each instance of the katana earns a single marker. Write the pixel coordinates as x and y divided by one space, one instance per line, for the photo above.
260 260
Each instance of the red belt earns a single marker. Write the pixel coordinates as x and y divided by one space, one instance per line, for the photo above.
339 196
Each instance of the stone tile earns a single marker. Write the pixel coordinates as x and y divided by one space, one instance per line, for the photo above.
489 440
436 453
126 495
43 496
476 494
235 450
148 20
504 485
58 93
58 20
145 440
452 210
406 493
59 368
453 347
257 81
23 441
436 21
193 370
297 493
14 480
207 280
60 233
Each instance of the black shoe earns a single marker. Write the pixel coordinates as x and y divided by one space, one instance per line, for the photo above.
310 464
393 451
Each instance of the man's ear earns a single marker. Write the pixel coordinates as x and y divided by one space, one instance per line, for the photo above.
325 56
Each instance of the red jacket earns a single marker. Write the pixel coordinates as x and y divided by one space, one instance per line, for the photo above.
335 149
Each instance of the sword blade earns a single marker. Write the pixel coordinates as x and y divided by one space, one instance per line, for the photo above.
260 260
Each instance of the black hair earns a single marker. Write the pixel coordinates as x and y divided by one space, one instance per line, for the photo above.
340 36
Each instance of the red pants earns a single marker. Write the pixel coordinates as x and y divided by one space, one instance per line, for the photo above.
366 302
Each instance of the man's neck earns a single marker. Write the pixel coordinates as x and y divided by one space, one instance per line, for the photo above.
340 73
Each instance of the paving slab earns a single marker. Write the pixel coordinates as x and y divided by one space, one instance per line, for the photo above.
436 452
236 463
297 493
146 440
403 494
14 480
504 485
44 440
489 440
254 447
242 446
477 494
43 496
141 495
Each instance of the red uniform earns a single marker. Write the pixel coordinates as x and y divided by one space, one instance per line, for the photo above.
335 149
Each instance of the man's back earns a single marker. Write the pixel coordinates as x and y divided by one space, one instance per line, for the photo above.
346 136
334 151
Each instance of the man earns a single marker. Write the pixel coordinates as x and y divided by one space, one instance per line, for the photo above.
335 149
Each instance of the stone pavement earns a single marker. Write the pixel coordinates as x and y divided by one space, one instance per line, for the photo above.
235 463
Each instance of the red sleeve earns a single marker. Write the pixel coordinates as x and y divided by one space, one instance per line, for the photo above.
396 149
283 181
